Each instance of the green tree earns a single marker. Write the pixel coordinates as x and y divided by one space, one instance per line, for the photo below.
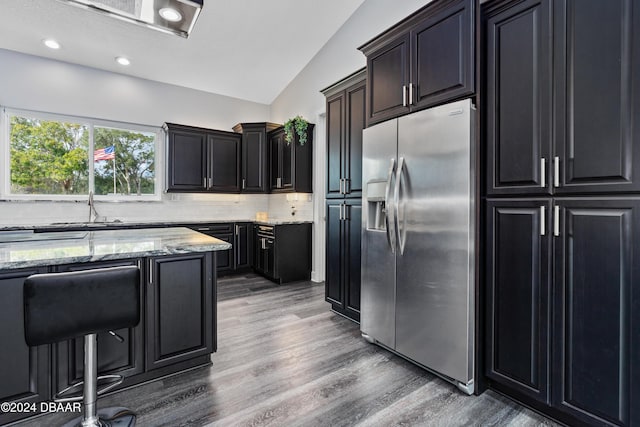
134 162
48 157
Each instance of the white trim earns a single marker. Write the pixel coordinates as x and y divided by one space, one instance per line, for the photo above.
5 177
319 180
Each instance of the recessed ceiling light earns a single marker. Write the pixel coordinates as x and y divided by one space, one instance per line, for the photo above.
122 60
170 14
51 44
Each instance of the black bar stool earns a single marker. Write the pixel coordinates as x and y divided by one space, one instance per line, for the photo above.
61 306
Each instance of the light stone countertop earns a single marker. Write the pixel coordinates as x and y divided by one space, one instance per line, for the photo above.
25 249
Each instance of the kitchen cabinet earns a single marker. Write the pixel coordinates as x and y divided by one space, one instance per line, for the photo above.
180 309
346 118
282 252
291 163
240 235
425 60
115 357
243 245
255 156
202 160
25 371
343 237
546 65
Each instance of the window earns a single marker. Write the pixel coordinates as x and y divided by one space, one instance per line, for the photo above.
56 157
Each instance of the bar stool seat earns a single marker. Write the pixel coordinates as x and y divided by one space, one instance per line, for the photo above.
62 306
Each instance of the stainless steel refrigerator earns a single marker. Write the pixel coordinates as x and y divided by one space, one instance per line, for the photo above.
418 238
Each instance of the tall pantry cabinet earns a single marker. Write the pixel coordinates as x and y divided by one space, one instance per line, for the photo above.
561 92
345 121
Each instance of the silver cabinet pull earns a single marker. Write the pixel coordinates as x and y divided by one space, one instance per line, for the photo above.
210 182
543 226
404 96
556 171
237 230
279 182
151 272
341 186
556 220
204 182
341 214
244 183
543 172
410 93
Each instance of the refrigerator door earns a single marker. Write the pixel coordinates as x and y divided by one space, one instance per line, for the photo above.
378 293
435 193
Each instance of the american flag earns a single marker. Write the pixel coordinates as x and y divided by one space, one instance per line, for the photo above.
106 153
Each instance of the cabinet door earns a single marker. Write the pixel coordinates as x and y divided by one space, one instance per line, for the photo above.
355 123
597 311
276 142
288 165
24 371
388 80
334 248
114 357
180 304
518 98
269 254
243 244
254 161
335 144
443 56
187 161
598 95
224 259
224 153
351 244
518 293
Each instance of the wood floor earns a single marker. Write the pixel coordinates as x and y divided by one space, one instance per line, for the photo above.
285 360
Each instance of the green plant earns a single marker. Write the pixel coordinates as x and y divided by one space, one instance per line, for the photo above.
299 124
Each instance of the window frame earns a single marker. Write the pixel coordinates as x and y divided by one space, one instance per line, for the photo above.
91 123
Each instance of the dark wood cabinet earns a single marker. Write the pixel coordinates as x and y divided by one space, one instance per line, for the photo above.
124 358
561 98
255 156
518 286
202 160
24 371
518 98
425 60
180 315
243 245
291 163
282 252
597 311
346 118
240 235
343 237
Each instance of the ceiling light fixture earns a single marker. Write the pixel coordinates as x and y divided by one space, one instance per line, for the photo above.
51 44
170 14
122 60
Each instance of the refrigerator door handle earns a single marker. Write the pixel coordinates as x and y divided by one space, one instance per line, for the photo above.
389 222
398 230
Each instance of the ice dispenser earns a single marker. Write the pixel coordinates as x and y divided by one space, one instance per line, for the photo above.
376 205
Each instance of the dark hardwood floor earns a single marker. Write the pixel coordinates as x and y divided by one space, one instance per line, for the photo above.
285 360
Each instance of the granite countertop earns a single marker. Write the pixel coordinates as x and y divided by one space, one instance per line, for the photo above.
26 249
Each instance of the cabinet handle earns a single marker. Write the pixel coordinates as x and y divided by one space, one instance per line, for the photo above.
342 190
543 218
410 93
404 96
543 172
556 171
204 182
150 272
556 220
210 182
264 243
244 183
279 182
237 230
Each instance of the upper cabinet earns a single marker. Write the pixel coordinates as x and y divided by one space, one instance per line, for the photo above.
346 118
255 156
562 94
425 60
202 160
291 163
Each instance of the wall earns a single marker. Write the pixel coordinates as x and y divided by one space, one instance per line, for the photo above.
40 84
337 59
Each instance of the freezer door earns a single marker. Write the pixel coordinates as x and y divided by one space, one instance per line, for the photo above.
434 310
378 293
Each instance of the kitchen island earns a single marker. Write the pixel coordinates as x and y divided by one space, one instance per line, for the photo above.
177 330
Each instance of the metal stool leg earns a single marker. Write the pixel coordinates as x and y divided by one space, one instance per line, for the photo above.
90 416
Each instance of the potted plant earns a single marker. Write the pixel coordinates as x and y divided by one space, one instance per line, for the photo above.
299 125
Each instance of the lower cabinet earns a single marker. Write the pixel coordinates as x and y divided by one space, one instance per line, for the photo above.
24 370
180 296
243 245
343 228
282 252
240 235
567 345
124 358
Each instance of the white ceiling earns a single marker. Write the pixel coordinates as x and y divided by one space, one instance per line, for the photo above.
247 49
